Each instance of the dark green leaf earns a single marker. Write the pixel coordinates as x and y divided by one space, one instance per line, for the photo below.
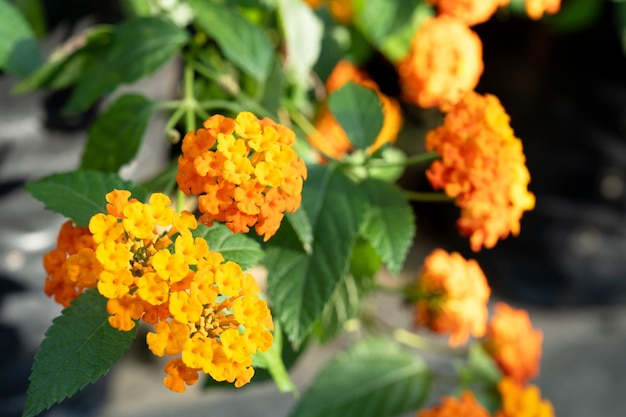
233 246
299 285
138 47
374 378
243 43
390 25
365 262
272 90
34 14
116 135
359 112
389 223
19 53
79 348
79 195
301 225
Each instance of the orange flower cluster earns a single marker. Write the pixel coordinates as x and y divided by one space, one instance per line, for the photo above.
483 167
244 171
330 138
340 10
443 64
71 267
453 295
536 8
513 343
520 401
471 12
203 308
466 406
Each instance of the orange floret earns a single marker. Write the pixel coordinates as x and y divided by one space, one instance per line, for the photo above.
536 8
232 164
520 401
513 343
341 10
483 168
453 295
471 12
330 138
443 64
466 406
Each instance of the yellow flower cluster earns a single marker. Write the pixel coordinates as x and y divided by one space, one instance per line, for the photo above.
471 12
483 167
146 262
522 401
244 171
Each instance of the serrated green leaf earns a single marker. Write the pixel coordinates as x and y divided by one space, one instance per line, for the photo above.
389 222
359 112
300 285
79 195
374 378
390 25
79 348
19 53
301 225
139 47
344 304
244 44
116 135
233 246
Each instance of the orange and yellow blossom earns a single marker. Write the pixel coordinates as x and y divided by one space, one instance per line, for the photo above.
453 294
341 10
466 406
471 12
205 310
483 168
330 138
443 64
536 8
522 401
244 171
513 343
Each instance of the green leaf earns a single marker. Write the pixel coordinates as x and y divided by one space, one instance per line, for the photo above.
359 112
19 53
116 135
301 225
272 90
390 25
242 42
138 47
79 348
303 32
387 164
344 305
67 63
79 194
365 262
34 14
389 222
299 285
234 247
374 378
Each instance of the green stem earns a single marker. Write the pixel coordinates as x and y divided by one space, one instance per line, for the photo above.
301 121
418 342
180 201
190 101
220 104
418 159
408 293
427 197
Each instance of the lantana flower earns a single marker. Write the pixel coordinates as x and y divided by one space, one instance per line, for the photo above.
536 8
341 10
471 12
483 168
145 260
452 296
522 401
466 406
330 138
244 172
513 343
443 64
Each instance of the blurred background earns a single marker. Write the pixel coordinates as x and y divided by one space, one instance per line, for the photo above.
563 82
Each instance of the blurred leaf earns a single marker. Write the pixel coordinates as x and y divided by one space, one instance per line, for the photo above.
390 25
303 32
234 247
620 20
365 262
34 13
299 285
374 378
389 222
19 53
272 90
243 43
115 136
359 112
387 164
575 15
68 62
79 348
79 194
165 181
139 47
